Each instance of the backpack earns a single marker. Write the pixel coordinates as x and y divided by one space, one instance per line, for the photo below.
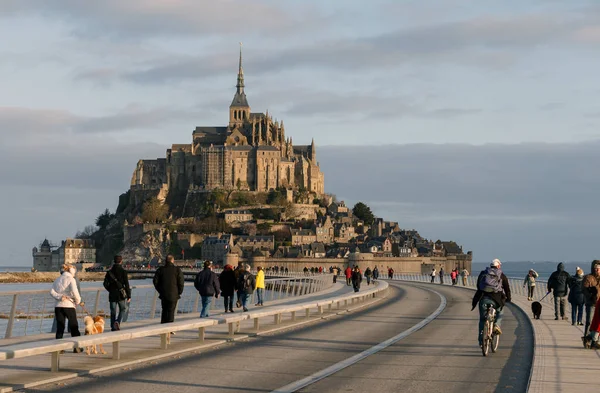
248 287
491 281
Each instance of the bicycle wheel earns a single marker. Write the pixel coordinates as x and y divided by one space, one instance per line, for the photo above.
495 342
485 348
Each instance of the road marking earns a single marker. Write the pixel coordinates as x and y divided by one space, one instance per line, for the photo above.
295 386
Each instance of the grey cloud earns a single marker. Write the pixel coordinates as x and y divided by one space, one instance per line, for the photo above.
19 123
149 18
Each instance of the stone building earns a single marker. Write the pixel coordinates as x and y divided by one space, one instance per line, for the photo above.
214 248
71 251
251 153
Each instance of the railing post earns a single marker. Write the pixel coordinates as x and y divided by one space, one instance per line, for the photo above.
97 302
11 318
153 306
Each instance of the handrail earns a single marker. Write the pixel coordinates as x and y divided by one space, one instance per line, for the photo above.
55 346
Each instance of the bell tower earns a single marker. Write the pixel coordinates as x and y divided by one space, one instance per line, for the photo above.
239 110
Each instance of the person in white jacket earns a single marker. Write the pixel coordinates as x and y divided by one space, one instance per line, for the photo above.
64 290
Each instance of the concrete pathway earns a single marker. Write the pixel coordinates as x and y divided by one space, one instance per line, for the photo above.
441 357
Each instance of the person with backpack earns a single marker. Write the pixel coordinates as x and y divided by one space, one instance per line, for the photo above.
558 284
492 289
119 292
246 285
576 298
207 284
530 283
368 275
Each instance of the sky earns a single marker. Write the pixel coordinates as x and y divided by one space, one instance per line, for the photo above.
476 121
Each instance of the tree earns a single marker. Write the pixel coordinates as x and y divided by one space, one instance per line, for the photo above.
154 211
104 219
363 212
87 232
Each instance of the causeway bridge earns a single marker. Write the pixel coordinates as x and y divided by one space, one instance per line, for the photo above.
404 334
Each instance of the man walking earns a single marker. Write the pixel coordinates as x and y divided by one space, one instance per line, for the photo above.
348 275
246 285
207 284
335 272
356 278
168 281
558 283
119 292
442 275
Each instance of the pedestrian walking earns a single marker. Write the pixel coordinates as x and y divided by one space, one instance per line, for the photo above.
453 275
119 292
433 275
368 275
208 285
168 281
530 283
442 275
335 271
246 284
227 283
464 274
558 284
375 273
591 339
64 291
390 273
576 298
260 286
356 277
591 293
348 275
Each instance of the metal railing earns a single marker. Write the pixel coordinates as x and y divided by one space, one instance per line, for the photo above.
516 285
25 313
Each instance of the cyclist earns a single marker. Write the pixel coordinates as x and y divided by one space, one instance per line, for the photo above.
492 289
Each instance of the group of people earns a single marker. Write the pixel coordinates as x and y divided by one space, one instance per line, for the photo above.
454 274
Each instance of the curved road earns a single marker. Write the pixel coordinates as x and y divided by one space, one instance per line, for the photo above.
441 357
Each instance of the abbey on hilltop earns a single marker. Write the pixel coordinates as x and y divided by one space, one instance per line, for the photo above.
251 153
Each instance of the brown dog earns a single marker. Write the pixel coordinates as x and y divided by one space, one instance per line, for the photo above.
94 326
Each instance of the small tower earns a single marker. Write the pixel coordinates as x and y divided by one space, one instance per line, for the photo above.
313 151
239 110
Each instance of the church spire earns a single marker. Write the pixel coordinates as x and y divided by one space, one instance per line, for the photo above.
240 77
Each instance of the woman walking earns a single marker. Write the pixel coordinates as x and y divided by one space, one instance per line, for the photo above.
530 283
576 298
228 286
64 290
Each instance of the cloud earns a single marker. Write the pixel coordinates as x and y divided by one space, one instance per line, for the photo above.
18 125
134 19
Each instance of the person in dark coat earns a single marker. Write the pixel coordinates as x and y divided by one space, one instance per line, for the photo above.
115 282
591 292
207 284
558 283
228 286
368 275
442 275
246 283
375 273
168 281
576 298
356 278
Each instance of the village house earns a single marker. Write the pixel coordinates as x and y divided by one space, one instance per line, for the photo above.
324 231
214 248
303 236
239 216
255 242
343 233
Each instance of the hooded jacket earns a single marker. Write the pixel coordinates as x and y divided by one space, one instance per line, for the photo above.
591 286
576 290
65 285
500 298
559 281
260 279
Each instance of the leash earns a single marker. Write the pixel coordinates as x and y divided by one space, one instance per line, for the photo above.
85 310
544 296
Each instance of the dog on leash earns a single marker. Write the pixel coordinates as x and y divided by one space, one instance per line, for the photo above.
94 326
536 309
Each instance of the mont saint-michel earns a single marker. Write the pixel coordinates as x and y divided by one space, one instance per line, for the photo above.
251 153
244 192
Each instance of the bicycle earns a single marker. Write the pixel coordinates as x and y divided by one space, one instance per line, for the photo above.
490 338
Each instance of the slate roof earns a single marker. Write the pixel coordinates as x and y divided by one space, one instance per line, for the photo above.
239 99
